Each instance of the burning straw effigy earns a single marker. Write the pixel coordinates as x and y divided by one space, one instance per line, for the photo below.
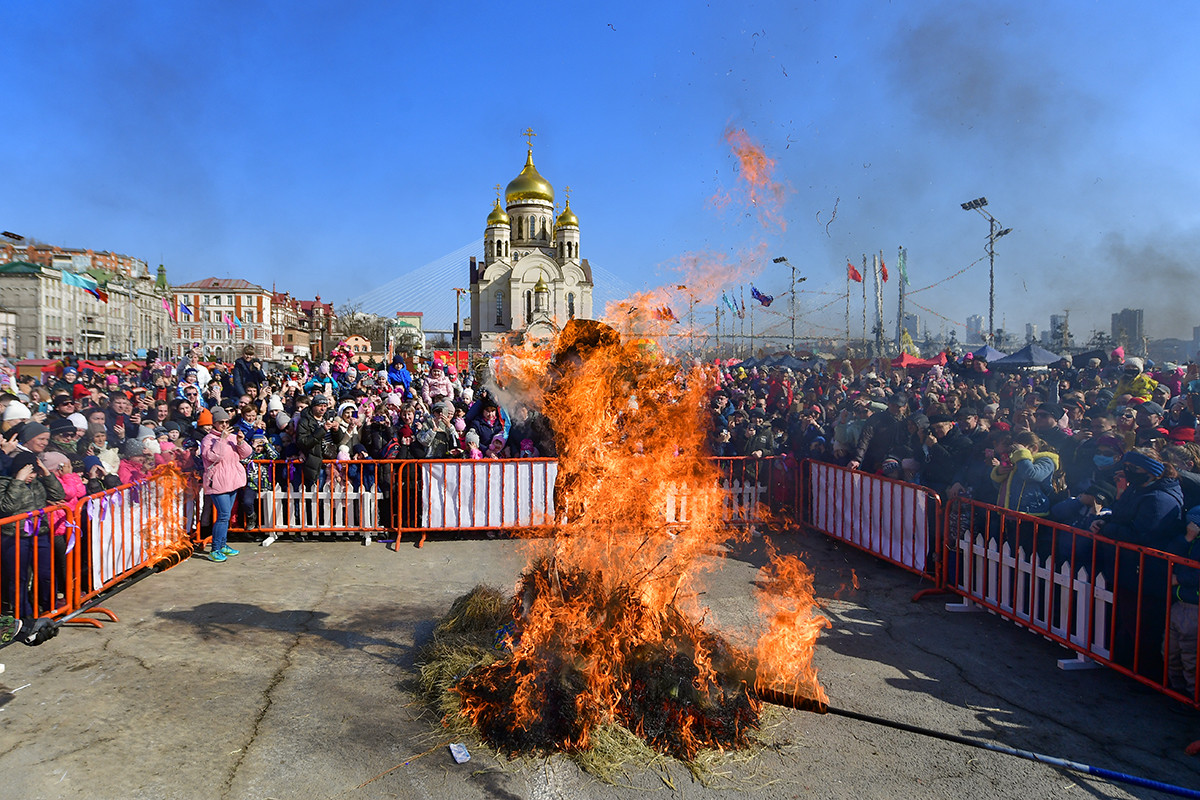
603 637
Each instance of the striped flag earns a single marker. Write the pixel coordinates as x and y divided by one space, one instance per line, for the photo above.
85 282
729 303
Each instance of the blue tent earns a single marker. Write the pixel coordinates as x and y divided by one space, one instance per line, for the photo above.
989 353
1031 355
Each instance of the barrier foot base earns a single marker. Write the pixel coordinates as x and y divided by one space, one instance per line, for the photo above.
420 542
965 605
930 592
1077 663
95 623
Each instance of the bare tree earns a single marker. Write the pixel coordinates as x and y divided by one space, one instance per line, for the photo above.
353 321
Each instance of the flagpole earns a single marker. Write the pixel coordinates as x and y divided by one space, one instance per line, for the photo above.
878 259
900 305
847 310
864 288
742 316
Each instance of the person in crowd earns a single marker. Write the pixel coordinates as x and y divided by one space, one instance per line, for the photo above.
882 431
1133 383
1181 640
247 372
318 436
28 487
1147 514
222 452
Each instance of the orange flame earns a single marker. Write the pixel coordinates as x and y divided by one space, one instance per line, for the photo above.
608 611
757 170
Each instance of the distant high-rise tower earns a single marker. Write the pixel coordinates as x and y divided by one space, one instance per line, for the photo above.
912 324
1127 328
974 328
1031 332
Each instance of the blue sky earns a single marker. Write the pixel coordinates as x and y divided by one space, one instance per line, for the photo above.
329 147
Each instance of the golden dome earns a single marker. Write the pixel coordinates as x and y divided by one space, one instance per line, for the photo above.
541 286
497 217
529 185
567 217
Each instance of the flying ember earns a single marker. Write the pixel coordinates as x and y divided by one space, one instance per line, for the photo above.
606 625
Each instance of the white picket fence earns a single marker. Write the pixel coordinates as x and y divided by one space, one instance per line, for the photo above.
320 510
473 494
1074 608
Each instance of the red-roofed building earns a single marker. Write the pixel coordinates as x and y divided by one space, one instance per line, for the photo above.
223 315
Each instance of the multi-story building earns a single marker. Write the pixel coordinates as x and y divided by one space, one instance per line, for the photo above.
974 328
8 333
290 333
77 259
222 315
55 318
321 318
1127 329
912 324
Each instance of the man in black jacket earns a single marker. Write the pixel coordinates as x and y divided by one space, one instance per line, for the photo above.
882 431
246 373
317 438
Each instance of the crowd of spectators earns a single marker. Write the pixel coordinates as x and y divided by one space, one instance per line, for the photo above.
1108 448
76 433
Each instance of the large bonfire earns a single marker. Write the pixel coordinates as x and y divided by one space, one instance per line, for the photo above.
606 626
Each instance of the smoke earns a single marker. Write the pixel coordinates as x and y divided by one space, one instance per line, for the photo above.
1149 273
971 72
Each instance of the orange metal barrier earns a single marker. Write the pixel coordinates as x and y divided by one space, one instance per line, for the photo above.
1110 602
36 579
896 521
399 497
93 544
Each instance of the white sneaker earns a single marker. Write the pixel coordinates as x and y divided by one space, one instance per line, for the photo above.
267 542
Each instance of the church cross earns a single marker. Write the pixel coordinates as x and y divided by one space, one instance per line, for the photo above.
529 134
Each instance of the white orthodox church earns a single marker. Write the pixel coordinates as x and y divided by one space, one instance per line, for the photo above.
532 279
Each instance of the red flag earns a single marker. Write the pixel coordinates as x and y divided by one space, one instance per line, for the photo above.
883 270
853 274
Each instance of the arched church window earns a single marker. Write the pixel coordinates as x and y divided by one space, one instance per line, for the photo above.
570 305
500 307
544 234
528 306
532 224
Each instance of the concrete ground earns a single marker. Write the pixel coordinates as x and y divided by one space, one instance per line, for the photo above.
287 672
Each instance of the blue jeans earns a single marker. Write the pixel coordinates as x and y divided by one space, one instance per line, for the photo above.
223 503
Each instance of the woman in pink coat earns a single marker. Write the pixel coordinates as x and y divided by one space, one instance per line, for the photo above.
222 451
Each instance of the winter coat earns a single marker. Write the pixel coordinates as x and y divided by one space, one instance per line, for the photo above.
222 455
1141 385
17 497
1026 486
73 489
1147 515
436 387
130 471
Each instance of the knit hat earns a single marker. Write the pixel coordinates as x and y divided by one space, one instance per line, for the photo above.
1133 363
1184 434
219 414
274 404
405 431
145 432
133 448
30 430
16 411
79 421
53 461
151 447
80 391
205 417
1136 459
61 426
21 460
91 461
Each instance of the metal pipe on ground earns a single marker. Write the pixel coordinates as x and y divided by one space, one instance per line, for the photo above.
801 703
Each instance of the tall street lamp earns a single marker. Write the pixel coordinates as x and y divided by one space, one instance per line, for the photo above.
458 293
784 260
994 233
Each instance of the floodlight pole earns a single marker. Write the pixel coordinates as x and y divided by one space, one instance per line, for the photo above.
993 234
